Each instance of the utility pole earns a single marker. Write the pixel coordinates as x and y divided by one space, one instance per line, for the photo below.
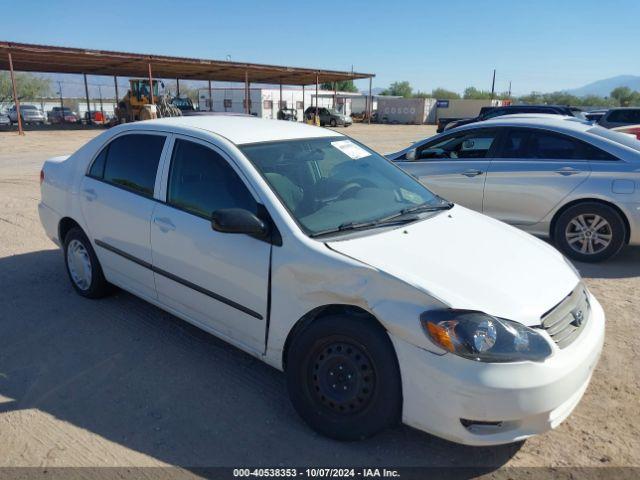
493 84
61 103
509 88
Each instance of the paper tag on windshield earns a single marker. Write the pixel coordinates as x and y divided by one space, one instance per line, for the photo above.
350 149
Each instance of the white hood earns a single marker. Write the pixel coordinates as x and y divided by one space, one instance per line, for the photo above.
470 261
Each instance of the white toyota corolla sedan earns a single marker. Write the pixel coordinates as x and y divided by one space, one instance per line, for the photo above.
380 300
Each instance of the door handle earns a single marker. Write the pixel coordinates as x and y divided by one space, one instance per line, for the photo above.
90 194
472 173
566 171
164 224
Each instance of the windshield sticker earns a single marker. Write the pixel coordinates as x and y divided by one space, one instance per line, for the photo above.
410 196
350 149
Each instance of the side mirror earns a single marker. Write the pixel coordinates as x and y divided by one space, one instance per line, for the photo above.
410 156
238 220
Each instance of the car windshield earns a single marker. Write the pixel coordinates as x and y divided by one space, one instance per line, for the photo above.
623 138
28 107
334 183
334 112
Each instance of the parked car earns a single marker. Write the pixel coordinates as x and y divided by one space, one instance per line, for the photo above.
620 117
95 117
329 116
5 121
633 130
184 104
289 114
563 178
595 115
62 115
380 300
444 121
28 113
492 112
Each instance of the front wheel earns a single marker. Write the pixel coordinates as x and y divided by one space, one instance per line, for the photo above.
83 266
590 232
343 377
333 122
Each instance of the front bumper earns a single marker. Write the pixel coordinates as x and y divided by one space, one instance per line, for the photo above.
520 399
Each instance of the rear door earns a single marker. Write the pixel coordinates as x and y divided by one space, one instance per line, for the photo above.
455 167
116 198
533 171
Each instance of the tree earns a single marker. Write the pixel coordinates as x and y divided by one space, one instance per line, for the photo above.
28 86
399 89
475 94
343 86
624 95
444 94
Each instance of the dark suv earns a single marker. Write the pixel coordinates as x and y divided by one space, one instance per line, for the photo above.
620 117
329 116
492 112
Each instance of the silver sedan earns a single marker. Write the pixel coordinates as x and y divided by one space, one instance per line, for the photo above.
560 177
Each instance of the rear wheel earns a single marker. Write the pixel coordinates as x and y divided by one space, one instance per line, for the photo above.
83 266
343 377
590 232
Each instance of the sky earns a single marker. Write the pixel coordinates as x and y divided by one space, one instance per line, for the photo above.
541 45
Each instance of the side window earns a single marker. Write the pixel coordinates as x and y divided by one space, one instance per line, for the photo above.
513 145
465 145
97 168
132 162
552 146
201 181
589 152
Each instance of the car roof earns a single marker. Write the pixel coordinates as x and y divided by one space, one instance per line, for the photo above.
240 129
540 120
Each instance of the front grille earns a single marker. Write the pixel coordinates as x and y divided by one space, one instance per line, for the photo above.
565 321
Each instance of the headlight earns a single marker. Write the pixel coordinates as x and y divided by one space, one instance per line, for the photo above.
484 338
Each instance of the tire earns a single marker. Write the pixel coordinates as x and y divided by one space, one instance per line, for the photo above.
83 267
333 122
357 354
590 232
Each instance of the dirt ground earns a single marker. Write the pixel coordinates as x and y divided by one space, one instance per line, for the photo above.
118 382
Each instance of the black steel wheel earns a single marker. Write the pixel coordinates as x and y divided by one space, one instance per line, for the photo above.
343 377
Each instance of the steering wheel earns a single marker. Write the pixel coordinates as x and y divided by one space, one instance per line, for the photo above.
343 190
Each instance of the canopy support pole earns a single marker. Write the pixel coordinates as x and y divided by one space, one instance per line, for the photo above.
86 94
210 99
16 101
317 86
115 84
246 92
153 100
370 106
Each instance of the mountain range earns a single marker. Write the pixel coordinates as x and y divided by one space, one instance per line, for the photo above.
603 87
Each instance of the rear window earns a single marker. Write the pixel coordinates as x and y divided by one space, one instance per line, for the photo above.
624 139
28 107
130 162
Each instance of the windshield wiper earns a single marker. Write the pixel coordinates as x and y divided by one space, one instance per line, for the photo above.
347 226
400 217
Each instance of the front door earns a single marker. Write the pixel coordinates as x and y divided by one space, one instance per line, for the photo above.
535 170
455 167
219 281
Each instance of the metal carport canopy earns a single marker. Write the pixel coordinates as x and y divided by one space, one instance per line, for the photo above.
52 59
